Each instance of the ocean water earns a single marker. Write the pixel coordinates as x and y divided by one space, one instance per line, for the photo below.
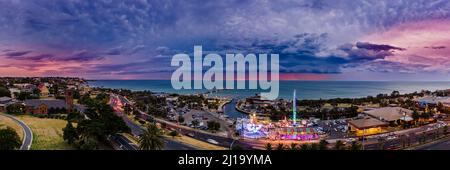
305 89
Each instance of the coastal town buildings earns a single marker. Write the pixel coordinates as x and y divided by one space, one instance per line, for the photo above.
433 101
14 92
391 115
367 126
45 106
5 102
44 92
25 87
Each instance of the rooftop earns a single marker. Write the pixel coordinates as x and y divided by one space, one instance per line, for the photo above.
435 100
389 113
50 103
5 99
367 122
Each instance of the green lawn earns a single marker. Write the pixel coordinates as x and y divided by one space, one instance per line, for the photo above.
7 122
47 133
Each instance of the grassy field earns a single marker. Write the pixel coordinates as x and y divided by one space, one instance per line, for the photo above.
7 122
47 133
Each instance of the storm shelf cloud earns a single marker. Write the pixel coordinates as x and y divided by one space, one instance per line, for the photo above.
137 38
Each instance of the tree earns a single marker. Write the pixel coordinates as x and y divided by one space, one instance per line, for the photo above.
136 112
88 144
86 100
76 94
102 123
36 92
355 146
180 119
4 92
304 147
323 145
9 139
213 125
15 108
74 117
339 145
268 146
236 147
195 123
381 143
280 146
293 146
314 146
70 133
415 115
25 95
395 94
151 139
173 133
127 109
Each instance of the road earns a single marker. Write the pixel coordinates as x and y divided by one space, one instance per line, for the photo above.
441 145
27 133
123 142
197 134
137 130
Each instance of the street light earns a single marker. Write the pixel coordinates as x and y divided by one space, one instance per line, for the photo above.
364 133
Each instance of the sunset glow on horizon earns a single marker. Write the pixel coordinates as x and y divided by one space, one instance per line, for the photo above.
316 40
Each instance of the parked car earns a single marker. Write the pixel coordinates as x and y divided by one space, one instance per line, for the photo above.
212 141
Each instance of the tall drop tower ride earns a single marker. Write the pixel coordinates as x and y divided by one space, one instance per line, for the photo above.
294 109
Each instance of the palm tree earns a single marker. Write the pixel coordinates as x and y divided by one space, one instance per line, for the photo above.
314 146
293 146
195 123
355 146
323 145
151 139
280 147
269 146
381 143
339 145
304 147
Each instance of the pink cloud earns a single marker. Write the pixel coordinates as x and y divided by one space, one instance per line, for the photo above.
427 43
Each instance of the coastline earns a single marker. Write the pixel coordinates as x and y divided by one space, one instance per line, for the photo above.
309 90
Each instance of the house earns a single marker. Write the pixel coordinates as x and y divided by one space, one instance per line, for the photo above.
434 101
44 92
392 115
37 106
367 126
25 87
5 102
42 106
14 91
46 106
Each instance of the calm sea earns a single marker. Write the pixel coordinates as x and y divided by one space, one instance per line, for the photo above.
305 89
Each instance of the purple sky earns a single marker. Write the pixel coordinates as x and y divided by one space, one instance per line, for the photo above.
316 39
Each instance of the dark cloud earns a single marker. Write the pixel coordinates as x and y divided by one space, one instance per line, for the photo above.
436 47
81 56
17 53
115 51
309 53
304 32
137 49
377 47
40 57
77 56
